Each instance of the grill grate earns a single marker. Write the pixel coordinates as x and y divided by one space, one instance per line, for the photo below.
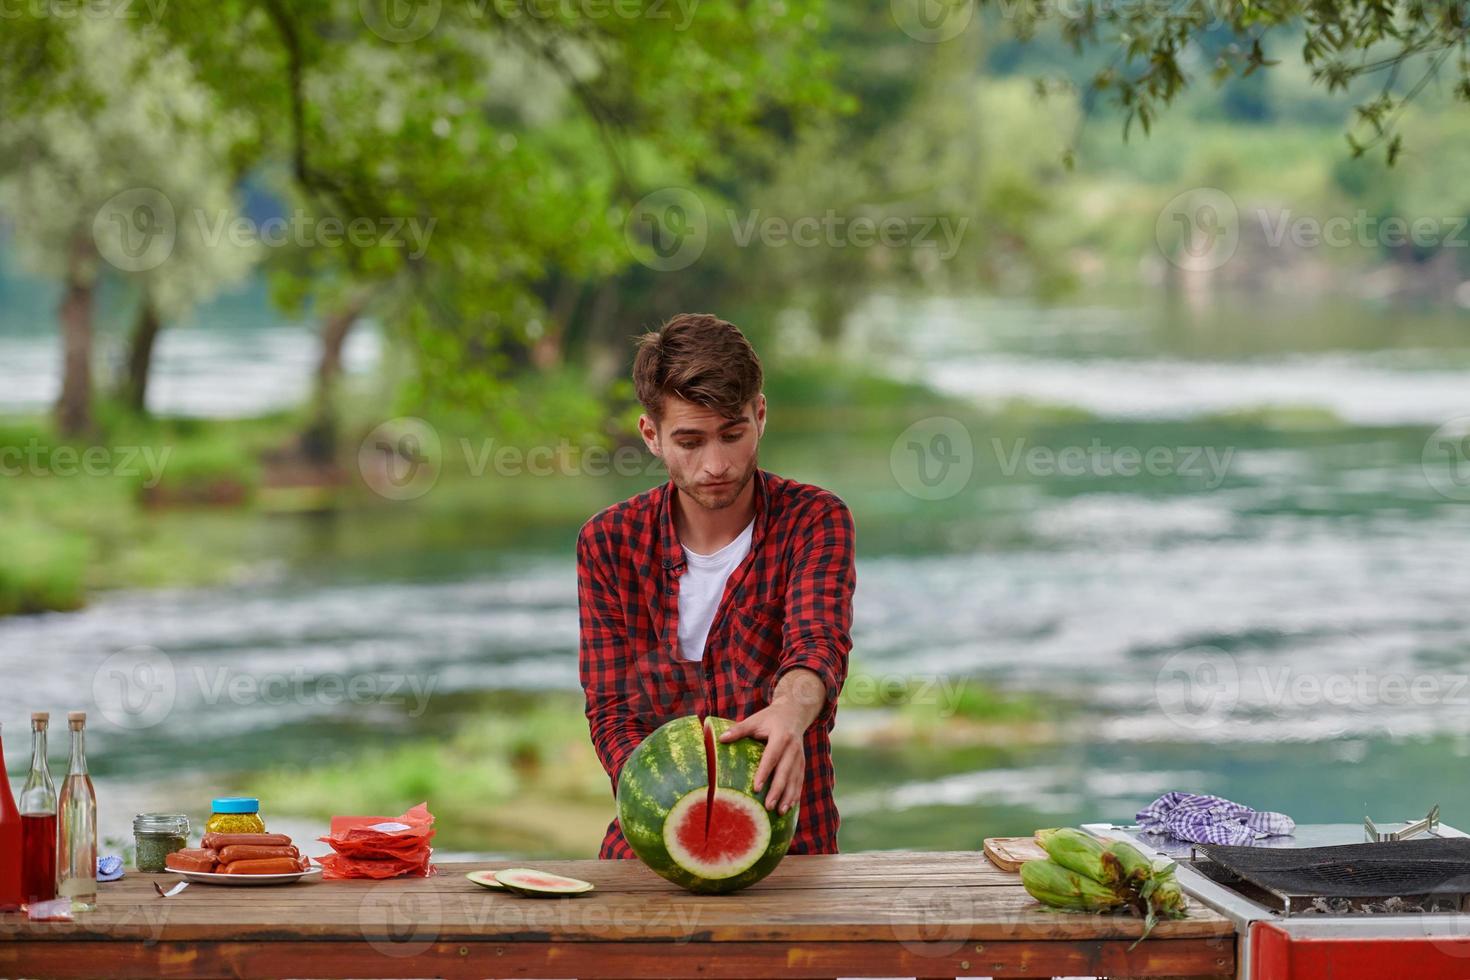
1425 866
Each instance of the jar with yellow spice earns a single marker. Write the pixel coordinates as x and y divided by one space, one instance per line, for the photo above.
235 815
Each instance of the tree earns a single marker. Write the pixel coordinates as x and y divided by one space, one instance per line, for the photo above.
85 158
516 134
1400 46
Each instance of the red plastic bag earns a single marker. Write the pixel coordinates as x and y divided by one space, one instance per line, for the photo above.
341 866
380 847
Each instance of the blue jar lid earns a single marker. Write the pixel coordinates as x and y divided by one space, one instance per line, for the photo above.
235 804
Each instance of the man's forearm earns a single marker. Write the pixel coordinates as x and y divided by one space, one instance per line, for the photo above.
805 690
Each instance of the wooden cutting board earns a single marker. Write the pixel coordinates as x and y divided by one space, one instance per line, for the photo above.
1009 853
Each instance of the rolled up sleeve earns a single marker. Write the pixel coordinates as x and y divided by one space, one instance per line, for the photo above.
818 621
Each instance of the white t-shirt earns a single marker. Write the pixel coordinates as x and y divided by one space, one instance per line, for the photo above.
702 586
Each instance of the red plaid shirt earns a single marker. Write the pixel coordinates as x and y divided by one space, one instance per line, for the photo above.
787 604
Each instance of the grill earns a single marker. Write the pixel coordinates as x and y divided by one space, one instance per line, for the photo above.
1432 873
1294 898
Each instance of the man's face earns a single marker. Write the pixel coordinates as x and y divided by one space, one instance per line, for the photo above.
710 457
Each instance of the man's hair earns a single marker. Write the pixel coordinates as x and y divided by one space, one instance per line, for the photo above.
701 359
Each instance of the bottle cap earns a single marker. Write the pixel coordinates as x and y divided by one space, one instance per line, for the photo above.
76 718
235 804
40 718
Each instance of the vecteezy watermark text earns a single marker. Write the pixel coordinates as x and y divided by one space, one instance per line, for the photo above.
1362 230
152 10
1096 459
38 459
1200 229
669 229
305 231
934 458
401 459
1205 687
565 458
138 687
833 230
138 229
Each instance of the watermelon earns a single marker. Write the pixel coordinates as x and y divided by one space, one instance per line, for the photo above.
541 884
688 808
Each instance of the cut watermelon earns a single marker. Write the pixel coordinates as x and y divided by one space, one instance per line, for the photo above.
687 807
541 884
485 879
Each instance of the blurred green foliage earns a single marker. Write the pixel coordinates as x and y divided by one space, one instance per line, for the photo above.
43 570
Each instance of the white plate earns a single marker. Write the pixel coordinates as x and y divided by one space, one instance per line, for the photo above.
216 878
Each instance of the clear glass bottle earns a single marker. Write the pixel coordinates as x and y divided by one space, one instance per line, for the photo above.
38 820
76 858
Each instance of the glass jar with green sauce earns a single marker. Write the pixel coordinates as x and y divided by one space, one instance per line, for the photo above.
156 836
235 815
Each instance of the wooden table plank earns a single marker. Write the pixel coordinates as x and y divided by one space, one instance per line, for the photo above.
630 960
868 914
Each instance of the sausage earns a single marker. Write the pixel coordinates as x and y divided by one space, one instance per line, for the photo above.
220 841
264 866
249 852
200 860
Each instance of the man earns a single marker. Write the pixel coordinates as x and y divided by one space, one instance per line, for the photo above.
726 591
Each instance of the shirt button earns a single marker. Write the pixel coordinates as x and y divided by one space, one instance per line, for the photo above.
668 563
672 590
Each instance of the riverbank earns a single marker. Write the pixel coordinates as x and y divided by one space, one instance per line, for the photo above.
164 503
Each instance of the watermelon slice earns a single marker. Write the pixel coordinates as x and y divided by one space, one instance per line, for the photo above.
541 884
485 879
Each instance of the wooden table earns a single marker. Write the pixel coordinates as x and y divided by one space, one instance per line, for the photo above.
875 914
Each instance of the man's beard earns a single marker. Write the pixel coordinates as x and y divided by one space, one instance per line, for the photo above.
721 499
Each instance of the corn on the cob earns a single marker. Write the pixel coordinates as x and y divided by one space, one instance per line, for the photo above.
1126 863
1168 898
1052 884
1076 851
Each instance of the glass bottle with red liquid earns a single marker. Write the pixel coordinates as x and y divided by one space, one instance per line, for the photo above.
38 820
10 844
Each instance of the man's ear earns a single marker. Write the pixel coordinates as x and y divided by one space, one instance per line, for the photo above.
649 431
760 415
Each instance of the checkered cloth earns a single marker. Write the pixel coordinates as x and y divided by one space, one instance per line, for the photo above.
1211 820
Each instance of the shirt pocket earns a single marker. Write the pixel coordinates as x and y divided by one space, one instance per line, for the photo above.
755 650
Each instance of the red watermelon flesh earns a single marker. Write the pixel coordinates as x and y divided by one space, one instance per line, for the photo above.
739 833
734 832
709 771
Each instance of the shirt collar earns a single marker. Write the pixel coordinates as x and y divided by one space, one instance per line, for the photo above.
669 549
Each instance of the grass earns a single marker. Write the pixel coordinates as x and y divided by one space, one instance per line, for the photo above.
41 568
75 516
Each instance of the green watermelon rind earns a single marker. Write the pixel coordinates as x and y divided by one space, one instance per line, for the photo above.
486 879
668 764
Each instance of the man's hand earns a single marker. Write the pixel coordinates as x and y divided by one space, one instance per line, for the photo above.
795 705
